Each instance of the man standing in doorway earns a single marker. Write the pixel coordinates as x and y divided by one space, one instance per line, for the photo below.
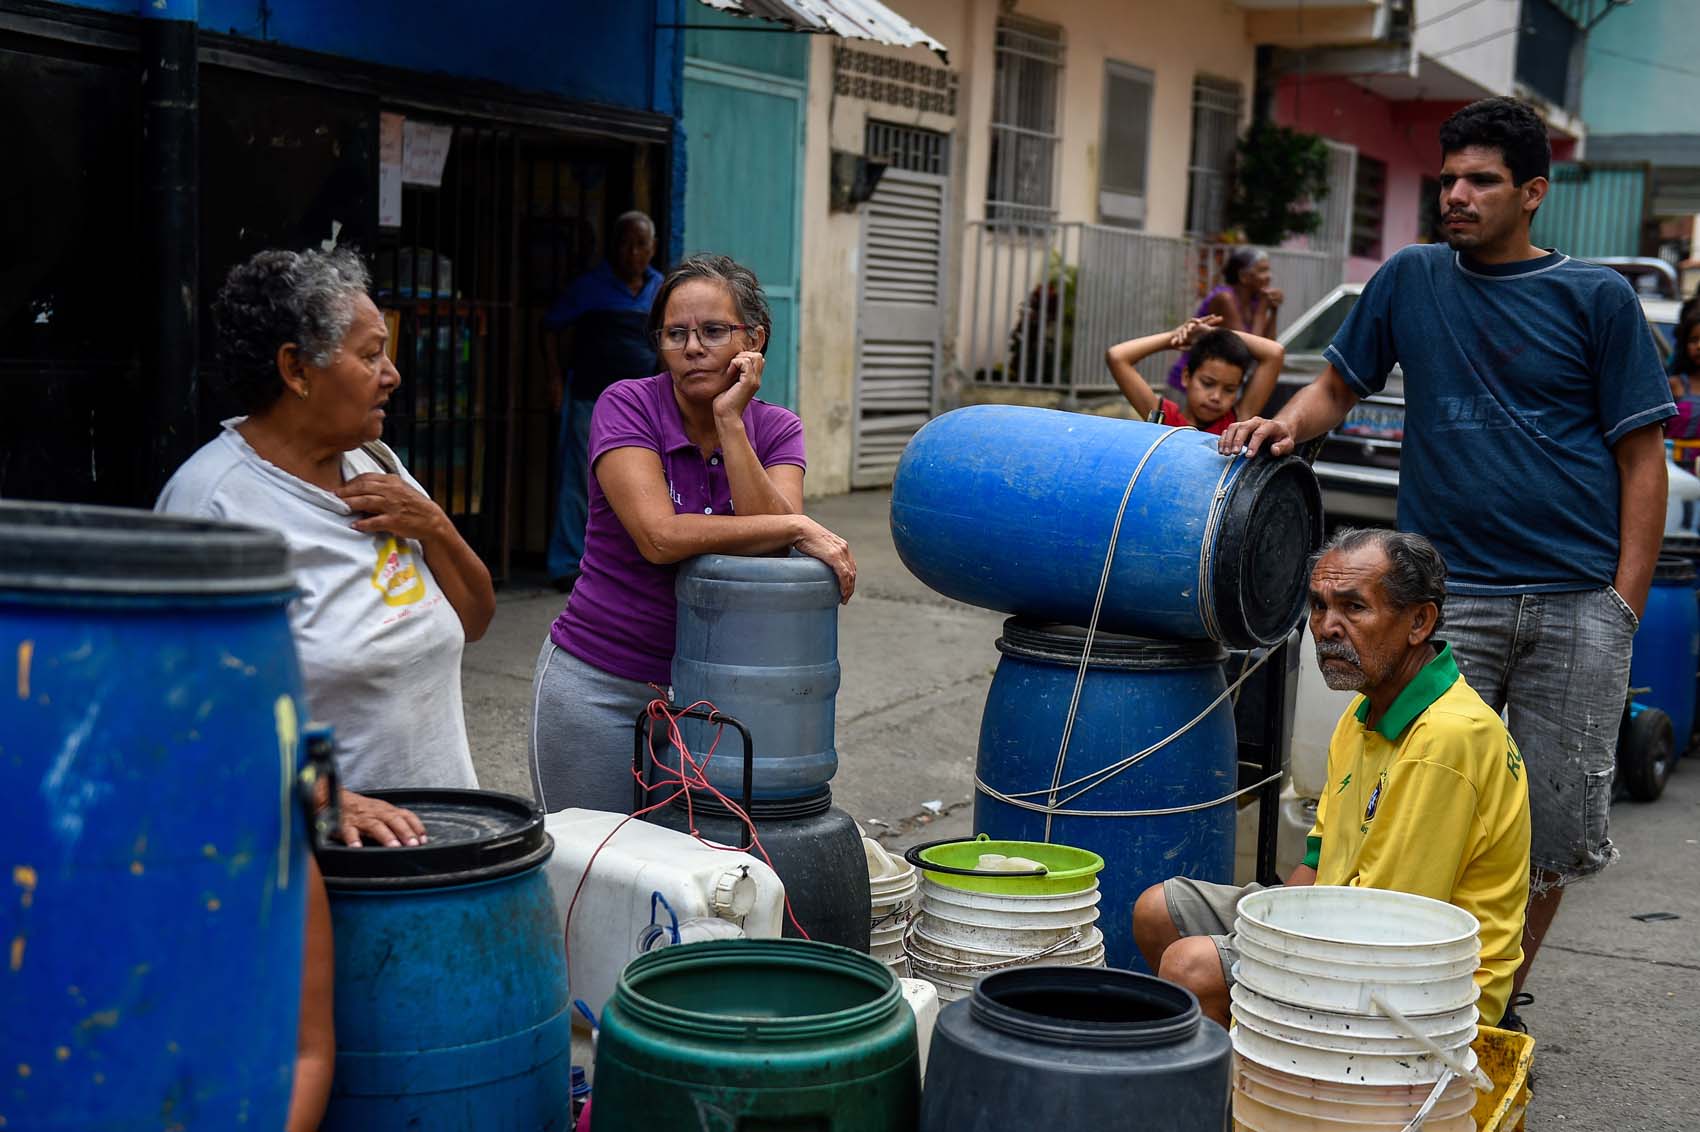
600 325
1533 458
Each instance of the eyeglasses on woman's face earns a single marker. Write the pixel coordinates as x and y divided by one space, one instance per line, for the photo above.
712 335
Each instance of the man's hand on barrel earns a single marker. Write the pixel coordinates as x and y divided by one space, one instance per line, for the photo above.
373 820
1254 435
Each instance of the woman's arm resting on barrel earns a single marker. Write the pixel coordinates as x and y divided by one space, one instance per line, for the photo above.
636 487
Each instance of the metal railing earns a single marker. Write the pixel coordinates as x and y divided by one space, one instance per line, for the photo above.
1042 302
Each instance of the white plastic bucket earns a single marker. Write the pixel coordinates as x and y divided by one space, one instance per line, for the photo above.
1358 925
1256 1115
1322 1031
923 999
1361 1068
1076 953
1351 994
1005 924
1348 1024
1360 972
1366 1104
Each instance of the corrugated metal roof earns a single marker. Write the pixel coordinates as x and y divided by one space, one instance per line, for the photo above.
851 19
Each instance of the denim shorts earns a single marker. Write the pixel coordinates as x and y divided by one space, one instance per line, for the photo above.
1557 664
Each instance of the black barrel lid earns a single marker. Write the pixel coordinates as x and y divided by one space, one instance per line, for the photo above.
472 835
68 548
1682 546
1062 644
1670 568
1270 526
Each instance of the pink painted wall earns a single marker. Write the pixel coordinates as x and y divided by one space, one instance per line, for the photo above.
1405 135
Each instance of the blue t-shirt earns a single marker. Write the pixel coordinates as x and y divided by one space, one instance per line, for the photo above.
1519 378
610 329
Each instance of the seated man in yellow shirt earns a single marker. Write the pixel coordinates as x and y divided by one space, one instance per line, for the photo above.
1426 791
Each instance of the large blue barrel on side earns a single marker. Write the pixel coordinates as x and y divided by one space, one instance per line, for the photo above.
1687 546
1011 508
155 852
451 974
1136 694
1667 646
758 638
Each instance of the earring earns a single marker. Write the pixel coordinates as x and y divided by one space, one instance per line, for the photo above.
303 392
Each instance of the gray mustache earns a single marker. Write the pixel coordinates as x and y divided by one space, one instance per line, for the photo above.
1336 650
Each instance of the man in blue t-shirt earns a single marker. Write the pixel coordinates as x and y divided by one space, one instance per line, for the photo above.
1533 458
602 321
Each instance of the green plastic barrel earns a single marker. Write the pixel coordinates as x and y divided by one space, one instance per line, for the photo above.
745 1035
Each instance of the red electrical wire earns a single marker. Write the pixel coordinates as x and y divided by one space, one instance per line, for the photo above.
689 776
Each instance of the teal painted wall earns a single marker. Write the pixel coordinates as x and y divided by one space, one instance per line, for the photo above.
1643 74
745 105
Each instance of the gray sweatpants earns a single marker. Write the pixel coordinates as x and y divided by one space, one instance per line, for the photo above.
581 733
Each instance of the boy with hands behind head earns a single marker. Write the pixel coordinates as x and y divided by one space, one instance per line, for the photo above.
1217 362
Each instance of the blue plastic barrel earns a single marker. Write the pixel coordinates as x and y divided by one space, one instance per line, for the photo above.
1667 645
155 850
1012 509
758 638
1687 546
1136 694
451 975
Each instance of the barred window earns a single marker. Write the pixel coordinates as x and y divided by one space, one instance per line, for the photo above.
908 147
1027 81
1216 107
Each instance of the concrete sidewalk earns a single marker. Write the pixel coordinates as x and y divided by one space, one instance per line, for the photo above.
1617 1000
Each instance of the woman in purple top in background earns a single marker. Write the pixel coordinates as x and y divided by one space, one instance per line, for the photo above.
1244 301
684 463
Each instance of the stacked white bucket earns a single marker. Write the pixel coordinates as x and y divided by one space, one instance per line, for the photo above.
961 935
892 884
1350 1006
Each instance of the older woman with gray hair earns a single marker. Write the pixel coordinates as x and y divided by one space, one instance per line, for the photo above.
683 463
389 591
1244 301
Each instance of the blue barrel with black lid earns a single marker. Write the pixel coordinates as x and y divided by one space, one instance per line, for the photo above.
1148 773
156 850
1666 653
1013 508
451 974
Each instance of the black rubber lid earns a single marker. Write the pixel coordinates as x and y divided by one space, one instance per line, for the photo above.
1062 644
1670 568
1270 526
62 547
1682 546
472 835
1086 1006
761 809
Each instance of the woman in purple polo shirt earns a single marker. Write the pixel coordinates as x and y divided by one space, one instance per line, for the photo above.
684 463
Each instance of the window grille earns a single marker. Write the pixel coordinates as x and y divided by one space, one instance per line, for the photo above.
1369 197
908 147
1215 131
1025 128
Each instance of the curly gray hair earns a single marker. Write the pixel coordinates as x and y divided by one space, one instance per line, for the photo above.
276 298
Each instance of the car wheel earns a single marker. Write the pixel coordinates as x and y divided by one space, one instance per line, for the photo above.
1645 751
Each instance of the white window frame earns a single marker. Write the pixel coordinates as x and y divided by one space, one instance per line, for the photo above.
1124 205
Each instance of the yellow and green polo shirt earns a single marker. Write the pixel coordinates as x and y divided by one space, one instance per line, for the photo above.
1433 800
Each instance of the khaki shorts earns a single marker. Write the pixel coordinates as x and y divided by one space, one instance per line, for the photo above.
1198 907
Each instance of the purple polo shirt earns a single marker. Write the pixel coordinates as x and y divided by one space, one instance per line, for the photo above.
620 617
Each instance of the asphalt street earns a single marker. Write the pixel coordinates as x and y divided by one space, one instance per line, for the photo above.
1617 999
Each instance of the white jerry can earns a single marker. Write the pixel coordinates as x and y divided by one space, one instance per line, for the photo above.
649 887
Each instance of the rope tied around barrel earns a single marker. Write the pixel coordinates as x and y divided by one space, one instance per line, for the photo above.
1055 805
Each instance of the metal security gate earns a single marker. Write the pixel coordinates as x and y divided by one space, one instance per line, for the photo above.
1593 210
902 308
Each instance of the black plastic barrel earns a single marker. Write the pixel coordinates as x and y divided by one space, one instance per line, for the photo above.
1076 1047
814 847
